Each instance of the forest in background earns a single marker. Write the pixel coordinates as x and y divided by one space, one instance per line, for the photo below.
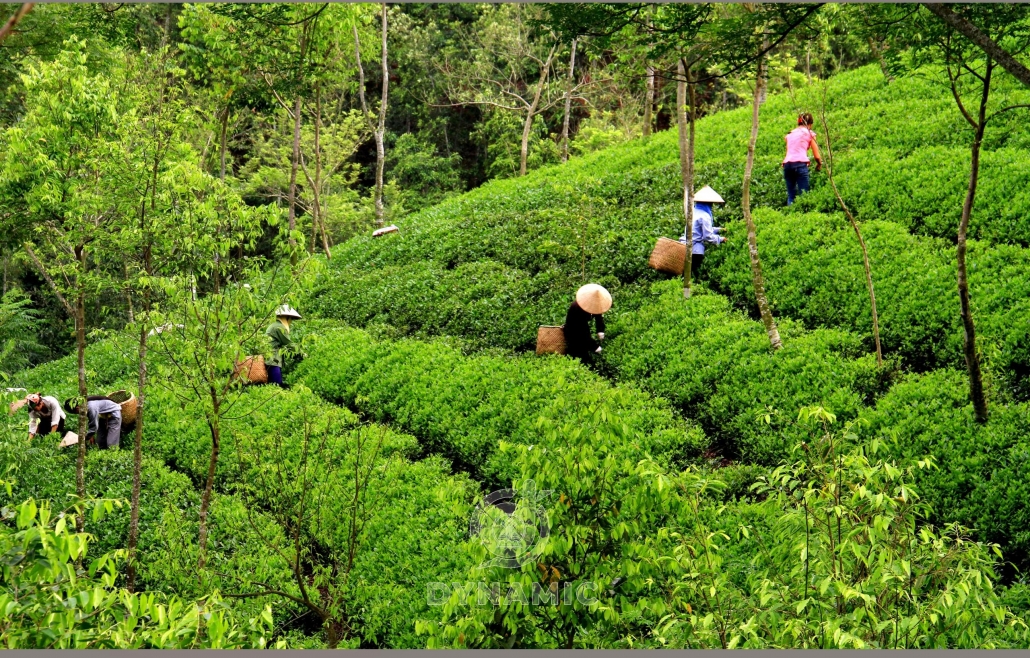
463 80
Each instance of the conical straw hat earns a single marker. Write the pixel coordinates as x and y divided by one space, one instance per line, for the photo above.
707 195
594 299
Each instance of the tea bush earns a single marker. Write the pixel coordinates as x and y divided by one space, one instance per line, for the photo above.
168 506
464 406
50 601
261 433
715 365
813 269
982 481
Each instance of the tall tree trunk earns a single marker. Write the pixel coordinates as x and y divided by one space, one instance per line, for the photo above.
976 386
137 448
80 353
221 145
205 500
8 27
649 101
318 171
858 233
381 129
527 125
878 51
685 121
294 164
568 104
752 238
128 294
649 94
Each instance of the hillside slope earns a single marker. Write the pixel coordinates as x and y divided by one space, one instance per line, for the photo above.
490 266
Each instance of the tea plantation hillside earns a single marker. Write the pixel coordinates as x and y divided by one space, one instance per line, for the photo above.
491 266
690 459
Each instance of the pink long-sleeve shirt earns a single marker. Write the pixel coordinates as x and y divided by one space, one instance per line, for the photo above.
799 141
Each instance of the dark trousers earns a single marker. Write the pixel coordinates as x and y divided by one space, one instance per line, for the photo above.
695 263
275 375
796 176
109 431
45 424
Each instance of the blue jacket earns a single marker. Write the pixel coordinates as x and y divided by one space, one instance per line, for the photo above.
703 231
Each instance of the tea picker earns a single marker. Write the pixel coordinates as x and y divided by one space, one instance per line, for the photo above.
45 415
100 408
279 333
800 141
703 232
591 303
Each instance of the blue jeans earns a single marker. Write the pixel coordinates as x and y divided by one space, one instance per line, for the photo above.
275 375
796 175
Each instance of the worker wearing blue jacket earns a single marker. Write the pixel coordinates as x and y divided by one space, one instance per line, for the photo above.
703 232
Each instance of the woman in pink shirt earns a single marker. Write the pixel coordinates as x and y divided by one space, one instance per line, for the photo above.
795 165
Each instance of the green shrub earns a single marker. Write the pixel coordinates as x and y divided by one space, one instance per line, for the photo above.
982 480
715 365
464 407
51 602
813 270
836 553
167 523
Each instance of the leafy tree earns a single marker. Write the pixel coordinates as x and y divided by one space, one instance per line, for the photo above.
840 556
970 78
50 601
205 335
61 160
505 63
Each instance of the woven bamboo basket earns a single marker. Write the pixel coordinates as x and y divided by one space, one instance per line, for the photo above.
668 256
252 369
16 405
128 403
550 340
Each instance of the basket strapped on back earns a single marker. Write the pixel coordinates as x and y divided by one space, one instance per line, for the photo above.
668 256
550 340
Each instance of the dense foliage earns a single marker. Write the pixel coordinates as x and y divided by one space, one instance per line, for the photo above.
814 272
172 175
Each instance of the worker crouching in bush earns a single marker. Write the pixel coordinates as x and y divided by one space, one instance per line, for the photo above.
103 420
592 301
45 415
279 333
703 231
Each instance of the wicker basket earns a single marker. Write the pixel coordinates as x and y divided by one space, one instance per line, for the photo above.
668 256
128 403
550 340
252 369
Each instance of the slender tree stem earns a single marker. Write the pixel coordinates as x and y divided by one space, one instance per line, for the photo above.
568 104
758 280
858 233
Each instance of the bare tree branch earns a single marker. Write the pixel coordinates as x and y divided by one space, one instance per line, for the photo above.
49 280
8 27
984 42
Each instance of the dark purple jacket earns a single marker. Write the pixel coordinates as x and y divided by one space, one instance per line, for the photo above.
579 341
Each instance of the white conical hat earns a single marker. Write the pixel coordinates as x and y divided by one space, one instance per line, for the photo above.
287 311
707 195
594 299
